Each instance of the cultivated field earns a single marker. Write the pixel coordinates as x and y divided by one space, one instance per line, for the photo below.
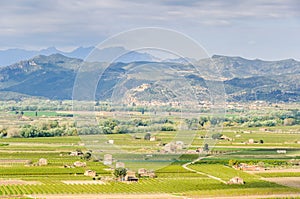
22 176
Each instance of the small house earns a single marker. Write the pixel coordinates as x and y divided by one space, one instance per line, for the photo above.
108 160
236 180
142 171
146 173
130 176
246 167
43 162
90 173
76 153
170 147
153 138
79 164
281 151
199 150
110 141
224 137
120 165
179 145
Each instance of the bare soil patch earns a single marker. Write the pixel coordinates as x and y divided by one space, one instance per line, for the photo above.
109 196
286 181
276 170
11 161
18 182
83 182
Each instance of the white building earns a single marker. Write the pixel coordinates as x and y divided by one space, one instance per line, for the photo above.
107 159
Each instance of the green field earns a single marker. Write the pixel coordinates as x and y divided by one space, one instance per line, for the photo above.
173 179
20 174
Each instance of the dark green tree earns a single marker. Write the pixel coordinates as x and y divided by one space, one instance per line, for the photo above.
147 136
205 147
120 173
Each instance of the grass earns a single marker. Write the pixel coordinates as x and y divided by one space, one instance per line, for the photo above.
171 178
241 192
279 174
223 172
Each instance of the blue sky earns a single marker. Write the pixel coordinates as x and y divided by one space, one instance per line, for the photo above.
265 29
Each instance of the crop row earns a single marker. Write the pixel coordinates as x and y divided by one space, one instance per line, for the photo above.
144 186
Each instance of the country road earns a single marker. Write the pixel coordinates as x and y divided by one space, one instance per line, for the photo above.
185 166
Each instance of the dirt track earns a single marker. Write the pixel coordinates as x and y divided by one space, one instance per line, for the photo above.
154 196
109 196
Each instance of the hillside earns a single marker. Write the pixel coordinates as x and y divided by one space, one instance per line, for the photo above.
244 80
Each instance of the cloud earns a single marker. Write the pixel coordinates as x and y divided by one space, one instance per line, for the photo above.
35 23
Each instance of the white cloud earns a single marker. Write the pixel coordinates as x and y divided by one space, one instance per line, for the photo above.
28 23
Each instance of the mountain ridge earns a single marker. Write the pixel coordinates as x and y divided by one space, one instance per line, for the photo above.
53 77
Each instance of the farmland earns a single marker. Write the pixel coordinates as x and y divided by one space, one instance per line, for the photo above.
21 175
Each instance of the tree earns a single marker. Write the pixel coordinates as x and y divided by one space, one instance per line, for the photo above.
120 173
147 136
233 163
261 141
3 133
87 156
205 147
202 121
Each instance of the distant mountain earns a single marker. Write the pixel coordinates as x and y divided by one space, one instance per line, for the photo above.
126 56
11 56
231 67
53 77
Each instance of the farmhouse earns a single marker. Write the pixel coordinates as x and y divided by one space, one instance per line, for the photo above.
120 165
236 180
173 147
90 173
79 164
153 138
130 176
145 173
246 167
199 150
76 153
107 159
43 162
281 151
170 147
224 137
110 141
251 141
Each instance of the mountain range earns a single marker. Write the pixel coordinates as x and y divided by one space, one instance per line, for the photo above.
12 56
52 76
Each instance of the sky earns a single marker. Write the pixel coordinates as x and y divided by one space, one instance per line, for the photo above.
263 29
